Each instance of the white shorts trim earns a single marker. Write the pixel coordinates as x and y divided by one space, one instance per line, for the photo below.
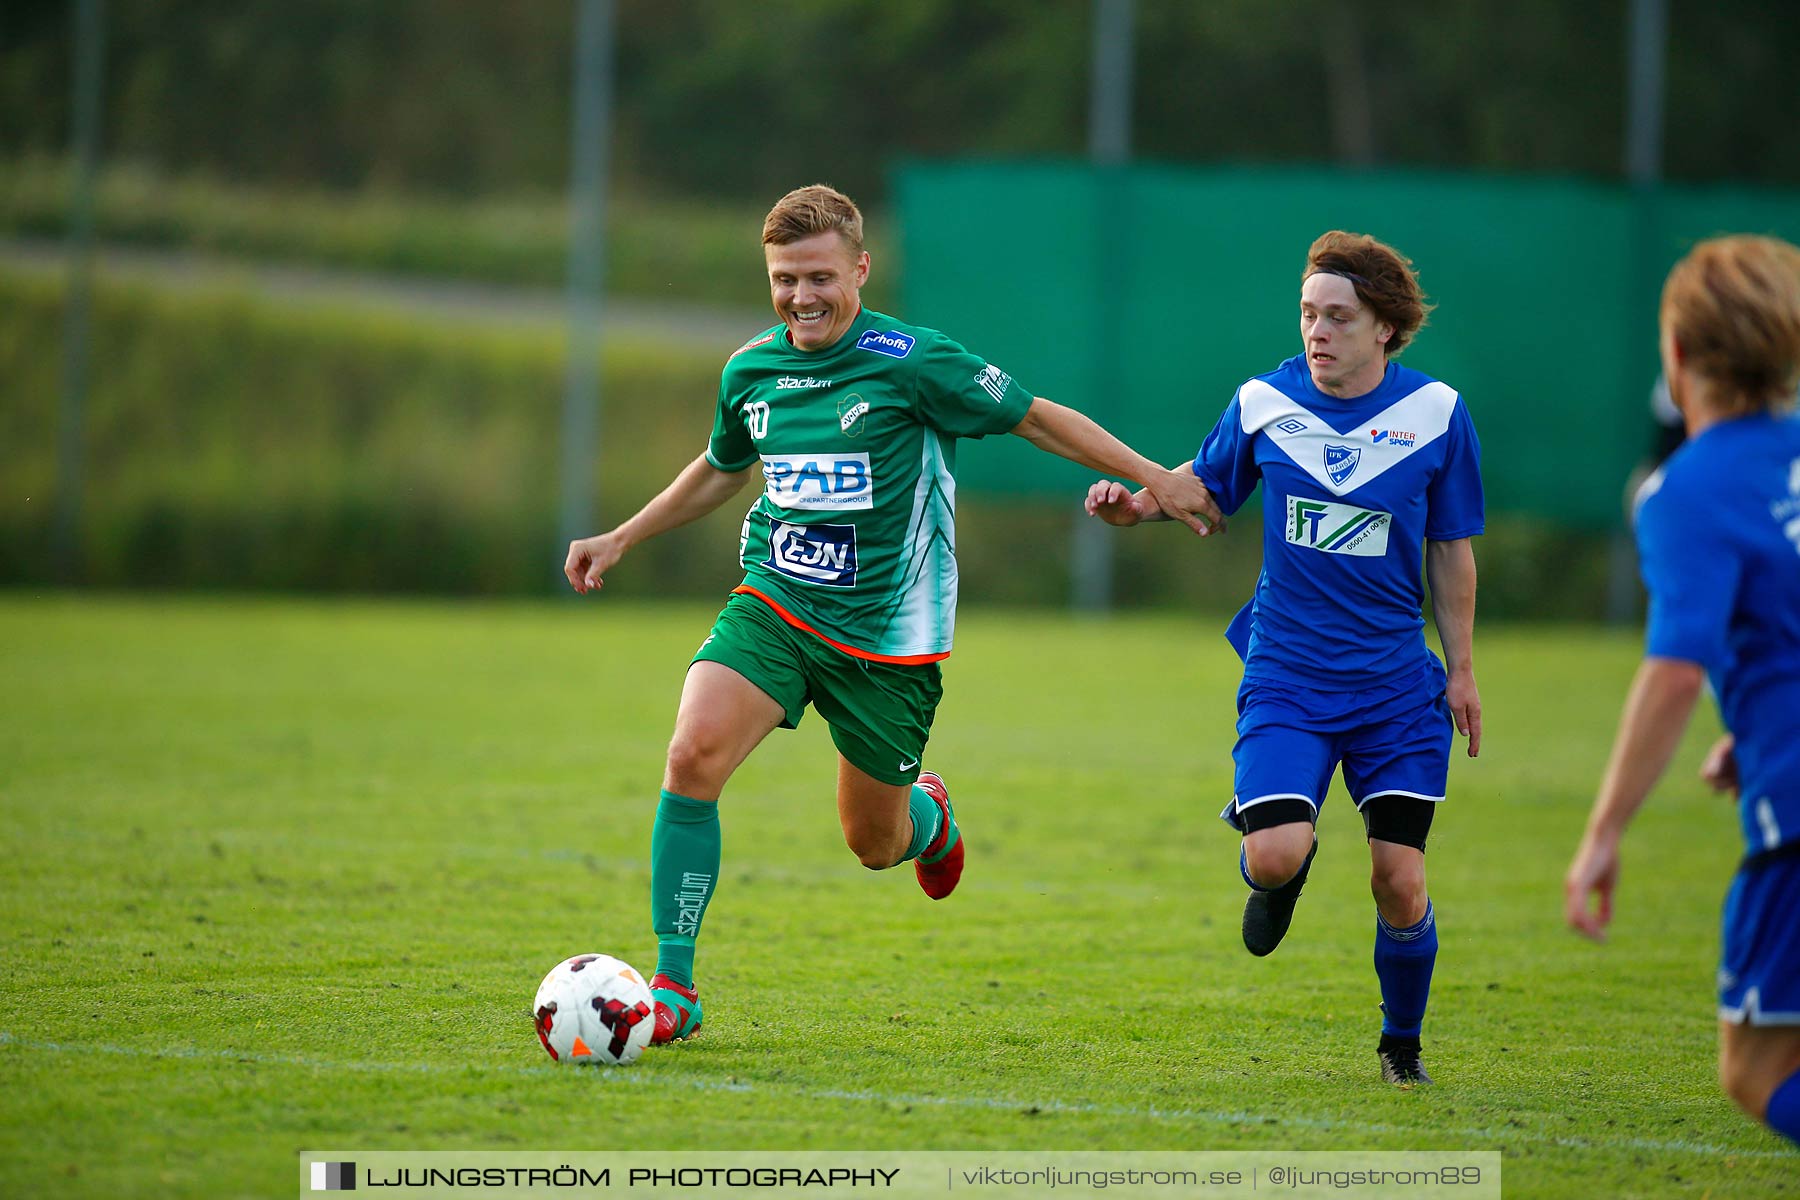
1243 804
1751 1012
1396 792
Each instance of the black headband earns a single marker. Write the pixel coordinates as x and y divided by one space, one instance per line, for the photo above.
1350 275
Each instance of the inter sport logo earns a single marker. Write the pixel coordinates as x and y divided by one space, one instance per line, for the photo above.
824 554
894 345
815 482
1337 528
1393 437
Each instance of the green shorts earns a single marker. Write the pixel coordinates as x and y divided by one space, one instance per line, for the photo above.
879 713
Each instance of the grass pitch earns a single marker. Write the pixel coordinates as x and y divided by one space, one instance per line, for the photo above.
282 876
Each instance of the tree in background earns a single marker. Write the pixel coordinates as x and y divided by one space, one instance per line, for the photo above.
459 97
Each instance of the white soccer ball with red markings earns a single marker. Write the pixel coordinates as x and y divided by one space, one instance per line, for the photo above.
594 1009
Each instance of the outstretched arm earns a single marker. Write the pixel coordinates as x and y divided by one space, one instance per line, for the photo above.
1450 570
1656 711
1117 504
1068 434
700 488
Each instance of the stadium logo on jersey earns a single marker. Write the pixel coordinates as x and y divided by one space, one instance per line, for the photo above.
1340 462
993 381
835 482
1393 437
851 409
789 382
894 345
1337 528
823 554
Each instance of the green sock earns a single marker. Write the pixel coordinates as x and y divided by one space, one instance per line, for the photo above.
684 868
927 818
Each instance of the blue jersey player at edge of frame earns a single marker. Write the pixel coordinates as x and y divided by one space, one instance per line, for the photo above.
1719 538
1366 467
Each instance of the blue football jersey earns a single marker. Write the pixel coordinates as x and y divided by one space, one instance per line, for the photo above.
1351 490
1719 542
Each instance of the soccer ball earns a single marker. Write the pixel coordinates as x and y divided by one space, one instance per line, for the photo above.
594 1009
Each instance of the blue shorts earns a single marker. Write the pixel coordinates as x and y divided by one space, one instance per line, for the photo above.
1391 740
1759 970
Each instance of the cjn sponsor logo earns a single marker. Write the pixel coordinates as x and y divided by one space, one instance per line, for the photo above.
823 554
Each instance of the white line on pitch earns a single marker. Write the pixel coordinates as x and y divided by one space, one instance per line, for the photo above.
654 1079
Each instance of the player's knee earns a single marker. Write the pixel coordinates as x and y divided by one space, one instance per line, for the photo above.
1399 886
872 851
1273 863
1747 1086
696 760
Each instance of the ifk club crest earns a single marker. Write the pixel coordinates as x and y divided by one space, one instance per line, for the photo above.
1340 462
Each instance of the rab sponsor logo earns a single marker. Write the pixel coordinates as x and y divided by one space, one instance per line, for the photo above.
1393 437
789 382
1337 528
814 482
993 381
1340 462
894 345
823 554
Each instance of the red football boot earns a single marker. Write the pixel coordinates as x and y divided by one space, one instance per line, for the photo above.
941 865
677 1010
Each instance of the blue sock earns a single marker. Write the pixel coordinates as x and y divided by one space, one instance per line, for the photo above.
1244 870
927 818
1783 1114
1403 962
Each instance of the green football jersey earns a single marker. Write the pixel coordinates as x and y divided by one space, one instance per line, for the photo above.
854 535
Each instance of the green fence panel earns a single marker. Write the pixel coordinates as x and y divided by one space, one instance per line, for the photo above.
1145 295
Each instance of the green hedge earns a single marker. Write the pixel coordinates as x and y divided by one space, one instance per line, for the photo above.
235 445
655 250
